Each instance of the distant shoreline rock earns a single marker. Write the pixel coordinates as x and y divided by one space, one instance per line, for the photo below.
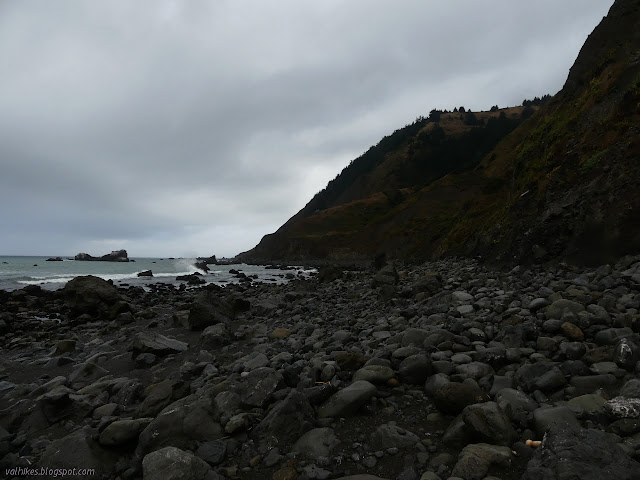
115 256
54 259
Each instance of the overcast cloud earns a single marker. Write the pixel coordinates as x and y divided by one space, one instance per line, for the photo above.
183 128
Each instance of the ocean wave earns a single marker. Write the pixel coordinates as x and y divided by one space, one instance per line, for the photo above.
116 277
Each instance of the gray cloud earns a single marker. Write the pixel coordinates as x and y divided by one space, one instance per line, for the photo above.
171 128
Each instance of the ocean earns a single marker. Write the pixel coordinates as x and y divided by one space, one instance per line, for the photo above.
16 272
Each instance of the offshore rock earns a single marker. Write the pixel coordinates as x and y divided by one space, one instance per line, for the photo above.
114 256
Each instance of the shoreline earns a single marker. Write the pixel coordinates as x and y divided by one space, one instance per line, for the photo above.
436 369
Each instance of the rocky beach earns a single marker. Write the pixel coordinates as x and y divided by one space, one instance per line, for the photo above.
447 369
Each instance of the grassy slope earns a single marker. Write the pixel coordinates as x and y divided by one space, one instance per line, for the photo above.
563 184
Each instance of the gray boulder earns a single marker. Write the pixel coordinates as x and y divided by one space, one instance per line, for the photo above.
475 460
258 386
316 443
487 422
171 463
390 435
78 450
94 296
546 417
347 400
208 308
182 424
286 421
453 397
157 344
121 432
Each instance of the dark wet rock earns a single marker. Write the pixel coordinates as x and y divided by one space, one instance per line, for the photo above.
191 279
158 395
215 336
590 404
546 417
516 404
487 422
316 443
374 374
286 421
182 424
625 427
157 344
390 435
474 370
590 383
569 452
208 308
145 273
631 388
457 435
429 284
213 452
453 397
611 336
122 432
258 386
329 273
171 463
78 450
347 400
415 369
559 307
530 376
475 460
94 296
145 360
387 275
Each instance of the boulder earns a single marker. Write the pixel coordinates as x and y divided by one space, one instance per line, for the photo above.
145 273
171 463
78 450
475 460
181 424
192 279
257 388
157 344
387 275
390 435
122 432
569 452
208 308
374 374
316 443
348 400
286 421
487 422
93 296
453 397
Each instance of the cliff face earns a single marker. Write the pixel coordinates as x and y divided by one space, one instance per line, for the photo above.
561 184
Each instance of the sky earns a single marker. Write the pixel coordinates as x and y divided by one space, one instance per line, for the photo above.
175 128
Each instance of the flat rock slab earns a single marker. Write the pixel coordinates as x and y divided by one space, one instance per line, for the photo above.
157 344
